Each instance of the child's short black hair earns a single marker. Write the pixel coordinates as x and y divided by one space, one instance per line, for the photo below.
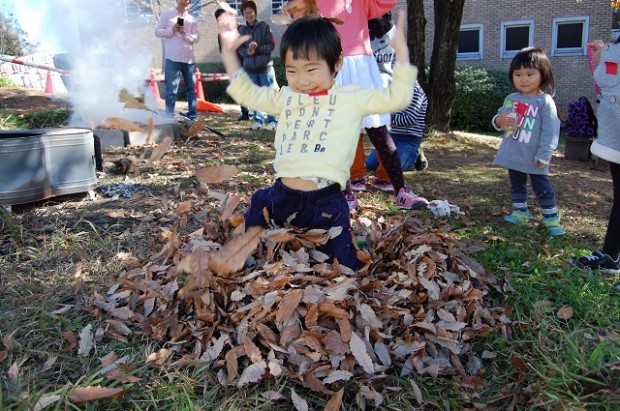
218 13
312 36
534 57
377 27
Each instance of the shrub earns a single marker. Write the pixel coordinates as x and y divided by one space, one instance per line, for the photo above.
215 91
38 119
479 93
7 82
44 119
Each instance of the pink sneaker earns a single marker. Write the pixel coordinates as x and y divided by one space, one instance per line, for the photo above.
382 185
352 202
358 184
407 200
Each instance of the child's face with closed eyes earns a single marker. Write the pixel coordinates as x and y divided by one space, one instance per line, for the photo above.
309 75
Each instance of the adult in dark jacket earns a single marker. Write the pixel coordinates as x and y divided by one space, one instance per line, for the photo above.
256 54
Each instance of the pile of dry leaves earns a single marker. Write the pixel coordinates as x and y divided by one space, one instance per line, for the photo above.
412 310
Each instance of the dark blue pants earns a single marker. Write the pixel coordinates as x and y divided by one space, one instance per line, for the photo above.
612 238
172 72
267 79
324 208
540 185
407 148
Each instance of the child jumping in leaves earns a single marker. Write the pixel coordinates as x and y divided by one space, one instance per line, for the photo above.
529 118
360 68
319 126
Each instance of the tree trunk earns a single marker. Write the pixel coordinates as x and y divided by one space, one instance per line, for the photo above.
416 23
441 88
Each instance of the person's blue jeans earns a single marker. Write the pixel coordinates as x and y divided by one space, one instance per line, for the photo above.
540 184
406 147
172 72
324 208
266 78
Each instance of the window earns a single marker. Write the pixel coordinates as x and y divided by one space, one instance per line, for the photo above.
235 4
276 6
570 36
470 42
138 11
516 35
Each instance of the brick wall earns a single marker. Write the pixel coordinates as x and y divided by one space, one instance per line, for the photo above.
572 73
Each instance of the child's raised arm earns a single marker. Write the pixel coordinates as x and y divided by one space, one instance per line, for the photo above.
230 40
399 41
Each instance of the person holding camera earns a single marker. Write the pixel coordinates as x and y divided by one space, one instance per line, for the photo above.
179 29
256 58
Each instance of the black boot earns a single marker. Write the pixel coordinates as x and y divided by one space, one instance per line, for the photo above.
245 114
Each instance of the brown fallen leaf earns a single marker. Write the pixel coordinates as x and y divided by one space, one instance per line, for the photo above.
335 402
184 207
288 305
566 312
519 368
13 373
298 402
252 373
45 401
71 338
232 364
473 382
85 394
160 150
116 214
86 340
229 207
124 165
216 174
358 348
150 125
9 342
197 127
121 124
131 101
159 357
231 257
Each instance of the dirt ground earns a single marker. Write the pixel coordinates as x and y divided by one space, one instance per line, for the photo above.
22 100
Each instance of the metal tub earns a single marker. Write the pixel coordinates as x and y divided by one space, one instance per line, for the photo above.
38 164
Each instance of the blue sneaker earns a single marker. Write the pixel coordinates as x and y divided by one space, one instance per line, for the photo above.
554 227
597 260
186 116
518 217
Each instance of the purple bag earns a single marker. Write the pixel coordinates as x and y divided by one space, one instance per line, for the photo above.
581 121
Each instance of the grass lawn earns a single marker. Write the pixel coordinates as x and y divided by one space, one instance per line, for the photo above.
556 347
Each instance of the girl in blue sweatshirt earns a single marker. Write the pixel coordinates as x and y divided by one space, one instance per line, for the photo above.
530 120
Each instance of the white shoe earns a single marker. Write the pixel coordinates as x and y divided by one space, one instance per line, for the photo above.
271 126
256 126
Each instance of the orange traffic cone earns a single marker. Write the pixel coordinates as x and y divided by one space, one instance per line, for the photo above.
49 83
155 90
201 103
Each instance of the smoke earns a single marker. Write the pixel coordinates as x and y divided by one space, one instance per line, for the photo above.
105 54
